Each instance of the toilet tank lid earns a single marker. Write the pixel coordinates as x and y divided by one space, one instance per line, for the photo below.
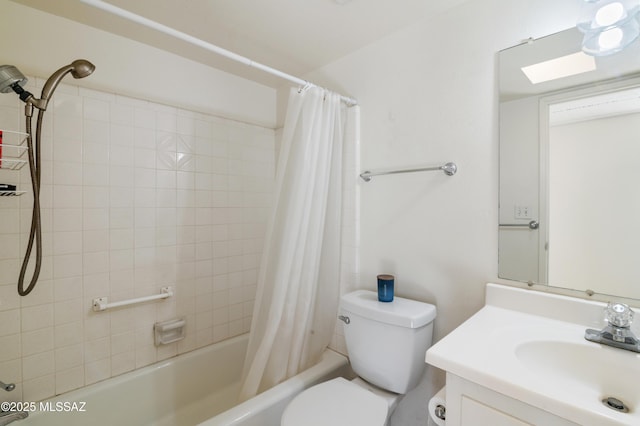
401 312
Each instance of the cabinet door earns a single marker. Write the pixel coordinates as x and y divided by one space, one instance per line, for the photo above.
476 413
469 404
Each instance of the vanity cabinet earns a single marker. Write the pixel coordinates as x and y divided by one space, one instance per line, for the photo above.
523 360
469 404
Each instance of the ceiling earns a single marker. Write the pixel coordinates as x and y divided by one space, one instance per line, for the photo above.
293 36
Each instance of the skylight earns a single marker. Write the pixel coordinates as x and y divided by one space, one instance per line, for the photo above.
564 66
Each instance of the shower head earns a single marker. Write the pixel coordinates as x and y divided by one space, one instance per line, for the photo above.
9 77
82 68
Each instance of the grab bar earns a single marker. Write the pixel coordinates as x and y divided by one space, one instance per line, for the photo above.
102 303
449 169
534 224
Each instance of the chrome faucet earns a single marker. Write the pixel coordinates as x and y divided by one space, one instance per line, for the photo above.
7 417
618 331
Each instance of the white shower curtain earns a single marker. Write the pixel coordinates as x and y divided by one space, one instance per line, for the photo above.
299 282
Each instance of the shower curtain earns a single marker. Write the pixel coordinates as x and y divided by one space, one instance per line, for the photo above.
299 281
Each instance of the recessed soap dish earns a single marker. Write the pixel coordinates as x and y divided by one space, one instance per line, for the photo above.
169 331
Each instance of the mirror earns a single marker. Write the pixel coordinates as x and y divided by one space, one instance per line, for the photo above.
570 167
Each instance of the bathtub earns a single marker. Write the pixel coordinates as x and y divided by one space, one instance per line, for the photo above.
199 387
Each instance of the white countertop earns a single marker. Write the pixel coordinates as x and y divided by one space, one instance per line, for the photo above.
530 346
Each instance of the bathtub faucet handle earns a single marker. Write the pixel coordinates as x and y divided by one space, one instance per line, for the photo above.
7 386
344 319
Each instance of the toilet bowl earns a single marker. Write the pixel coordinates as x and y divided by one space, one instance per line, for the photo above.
386 342
338 402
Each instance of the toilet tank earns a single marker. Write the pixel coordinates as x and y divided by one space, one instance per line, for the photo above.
387 341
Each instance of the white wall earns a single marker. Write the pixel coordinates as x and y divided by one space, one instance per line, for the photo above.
429 95
39 43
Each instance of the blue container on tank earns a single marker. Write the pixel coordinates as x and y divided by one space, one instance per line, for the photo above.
385 288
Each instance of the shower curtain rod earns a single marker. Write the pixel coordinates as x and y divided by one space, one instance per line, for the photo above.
107 7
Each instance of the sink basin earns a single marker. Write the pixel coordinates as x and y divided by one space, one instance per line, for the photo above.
530 347
603 371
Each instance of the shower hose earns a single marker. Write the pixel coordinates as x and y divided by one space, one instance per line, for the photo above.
35 233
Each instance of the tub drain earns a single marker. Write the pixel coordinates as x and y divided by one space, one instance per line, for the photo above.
615 404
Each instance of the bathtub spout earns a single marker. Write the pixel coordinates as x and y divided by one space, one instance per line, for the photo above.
7 417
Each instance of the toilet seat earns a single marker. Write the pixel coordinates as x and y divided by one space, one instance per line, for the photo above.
337 402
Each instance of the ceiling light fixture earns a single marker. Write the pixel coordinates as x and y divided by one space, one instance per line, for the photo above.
609 25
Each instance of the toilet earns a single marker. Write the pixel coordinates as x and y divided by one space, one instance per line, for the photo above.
387 343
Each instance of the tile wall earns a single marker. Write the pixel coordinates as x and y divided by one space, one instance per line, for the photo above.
135 196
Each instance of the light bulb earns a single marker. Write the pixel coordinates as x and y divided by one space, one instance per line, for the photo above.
609 14
610 39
